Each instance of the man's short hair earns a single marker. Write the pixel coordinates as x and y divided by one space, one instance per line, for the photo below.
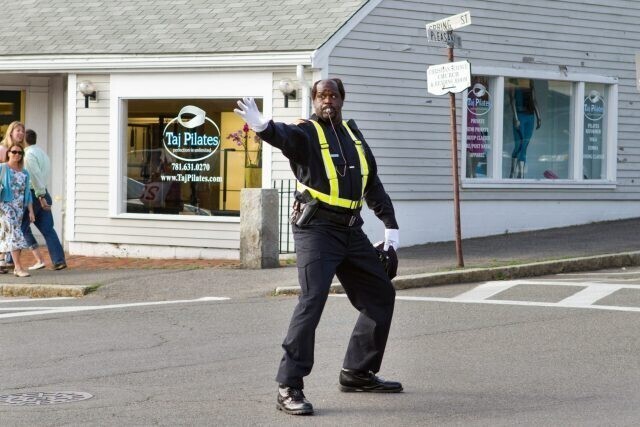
30 136
314 89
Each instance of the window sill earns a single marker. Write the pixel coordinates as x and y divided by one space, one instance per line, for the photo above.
168 217
506 184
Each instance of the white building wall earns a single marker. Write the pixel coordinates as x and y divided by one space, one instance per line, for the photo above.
383 63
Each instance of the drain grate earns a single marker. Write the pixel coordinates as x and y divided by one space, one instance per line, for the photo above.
43 398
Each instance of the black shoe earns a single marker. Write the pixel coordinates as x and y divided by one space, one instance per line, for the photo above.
292 401
366 381
60 266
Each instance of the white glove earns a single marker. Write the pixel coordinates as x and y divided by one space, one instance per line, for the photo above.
391 238
249 112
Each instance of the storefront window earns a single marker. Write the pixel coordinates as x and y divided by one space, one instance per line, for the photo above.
535 130
11 108
594 132
188 157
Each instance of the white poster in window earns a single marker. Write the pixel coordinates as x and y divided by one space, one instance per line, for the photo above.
593 154
478 138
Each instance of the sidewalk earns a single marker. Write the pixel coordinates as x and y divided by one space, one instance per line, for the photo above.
577 248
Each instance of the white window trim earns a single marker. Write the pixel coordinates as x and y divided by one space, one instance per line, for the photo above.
575 166
125 86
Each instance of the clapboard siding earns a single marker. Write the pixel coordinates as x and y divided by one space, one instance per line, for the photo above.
92 221
280 168
159 239
383 62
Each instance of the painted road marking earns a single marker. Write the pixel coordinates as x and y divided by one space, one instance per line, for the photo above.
35 311
484 291
590 294
583 298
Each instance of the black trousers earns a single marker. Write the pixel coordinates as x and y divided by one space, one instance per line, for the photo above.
324 250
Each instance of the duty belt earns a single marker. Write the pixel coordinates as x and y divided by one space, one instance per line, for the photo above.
339 218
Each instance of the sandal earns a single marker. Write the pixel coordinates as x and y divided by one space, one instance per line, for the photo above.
37 266
20 273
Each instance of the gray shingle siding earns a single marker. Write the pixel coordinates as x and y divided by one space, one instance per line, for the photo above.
169 26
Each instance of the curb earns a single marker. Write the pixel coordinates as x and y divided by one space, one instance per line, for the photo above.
543 268
44 291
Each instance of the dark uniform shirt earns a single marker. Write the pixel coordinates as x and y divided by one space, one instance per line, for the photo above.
299 143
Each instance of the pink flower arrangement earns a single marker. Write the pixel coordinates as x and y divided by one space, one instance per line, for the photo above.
241 138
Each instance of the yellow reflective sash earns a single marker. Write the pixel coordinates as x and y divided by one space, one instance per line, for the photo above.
333 198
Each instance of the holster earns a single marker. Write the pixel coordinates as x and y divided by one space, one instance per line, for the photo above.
304 210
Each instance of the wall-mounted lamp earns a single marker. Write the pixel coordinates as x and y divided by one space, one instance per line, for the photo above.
88 90
288 90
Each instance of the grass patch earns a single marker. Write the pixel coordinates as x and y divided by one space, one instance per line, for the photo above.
92 288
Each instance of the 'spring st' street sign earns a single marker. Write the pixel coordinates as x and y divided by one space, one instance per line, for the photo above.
451 23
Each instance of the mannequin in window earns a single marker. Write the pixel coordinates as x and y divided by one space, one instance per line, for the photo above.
525 114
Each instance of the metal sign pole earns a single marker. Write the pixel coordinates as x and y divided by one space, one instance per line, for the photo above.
451 77
454 159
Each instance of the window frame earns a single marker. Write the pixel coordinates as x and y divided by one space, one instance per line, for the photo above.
150 86
497 76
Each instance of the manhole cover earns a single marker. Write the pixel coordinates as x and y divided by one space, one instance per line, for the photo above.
43 398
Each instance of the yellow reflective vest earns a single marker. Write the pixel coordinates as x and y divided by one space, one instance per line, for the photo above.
333 197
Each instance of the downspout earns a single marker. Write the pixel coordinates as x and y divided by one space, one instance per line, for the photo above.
305 92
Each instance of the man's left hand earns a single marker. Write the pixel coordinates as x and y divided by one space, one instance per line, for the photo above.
44 204
391 238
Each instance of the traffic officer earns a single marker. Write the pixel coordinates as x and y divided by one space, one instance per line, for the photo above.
336 171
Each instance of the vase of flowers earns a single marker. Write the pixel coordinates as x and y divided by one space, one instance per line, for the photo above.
250 143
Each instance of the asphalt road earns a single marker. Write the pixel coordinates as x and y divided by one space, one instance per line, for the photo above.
559 350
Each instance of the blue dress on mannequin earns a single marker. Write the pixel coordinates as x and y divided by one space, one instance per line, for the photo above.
525 108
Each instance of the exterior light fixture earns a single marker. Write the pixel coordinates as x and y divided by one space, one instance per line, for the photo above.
88 90
287 88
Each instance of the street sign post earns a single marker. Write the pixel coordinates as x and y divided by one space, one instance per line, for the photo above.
452 77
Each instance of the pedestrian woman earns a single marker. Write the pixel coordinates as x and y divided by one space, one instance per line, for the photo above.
14 135
14 197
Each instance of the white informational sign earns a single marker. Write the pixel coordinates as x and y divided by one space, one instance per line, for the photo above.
451 23
451 77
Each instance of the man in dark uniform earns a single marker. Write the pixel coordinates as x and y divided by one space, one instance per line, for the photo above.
336 170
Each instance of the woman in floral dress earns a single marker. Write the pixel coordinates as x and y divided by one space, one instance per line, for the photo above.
15 195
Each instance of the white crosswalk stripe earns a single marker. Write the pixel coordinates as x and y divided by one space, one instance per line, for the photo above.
590 294
25 310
